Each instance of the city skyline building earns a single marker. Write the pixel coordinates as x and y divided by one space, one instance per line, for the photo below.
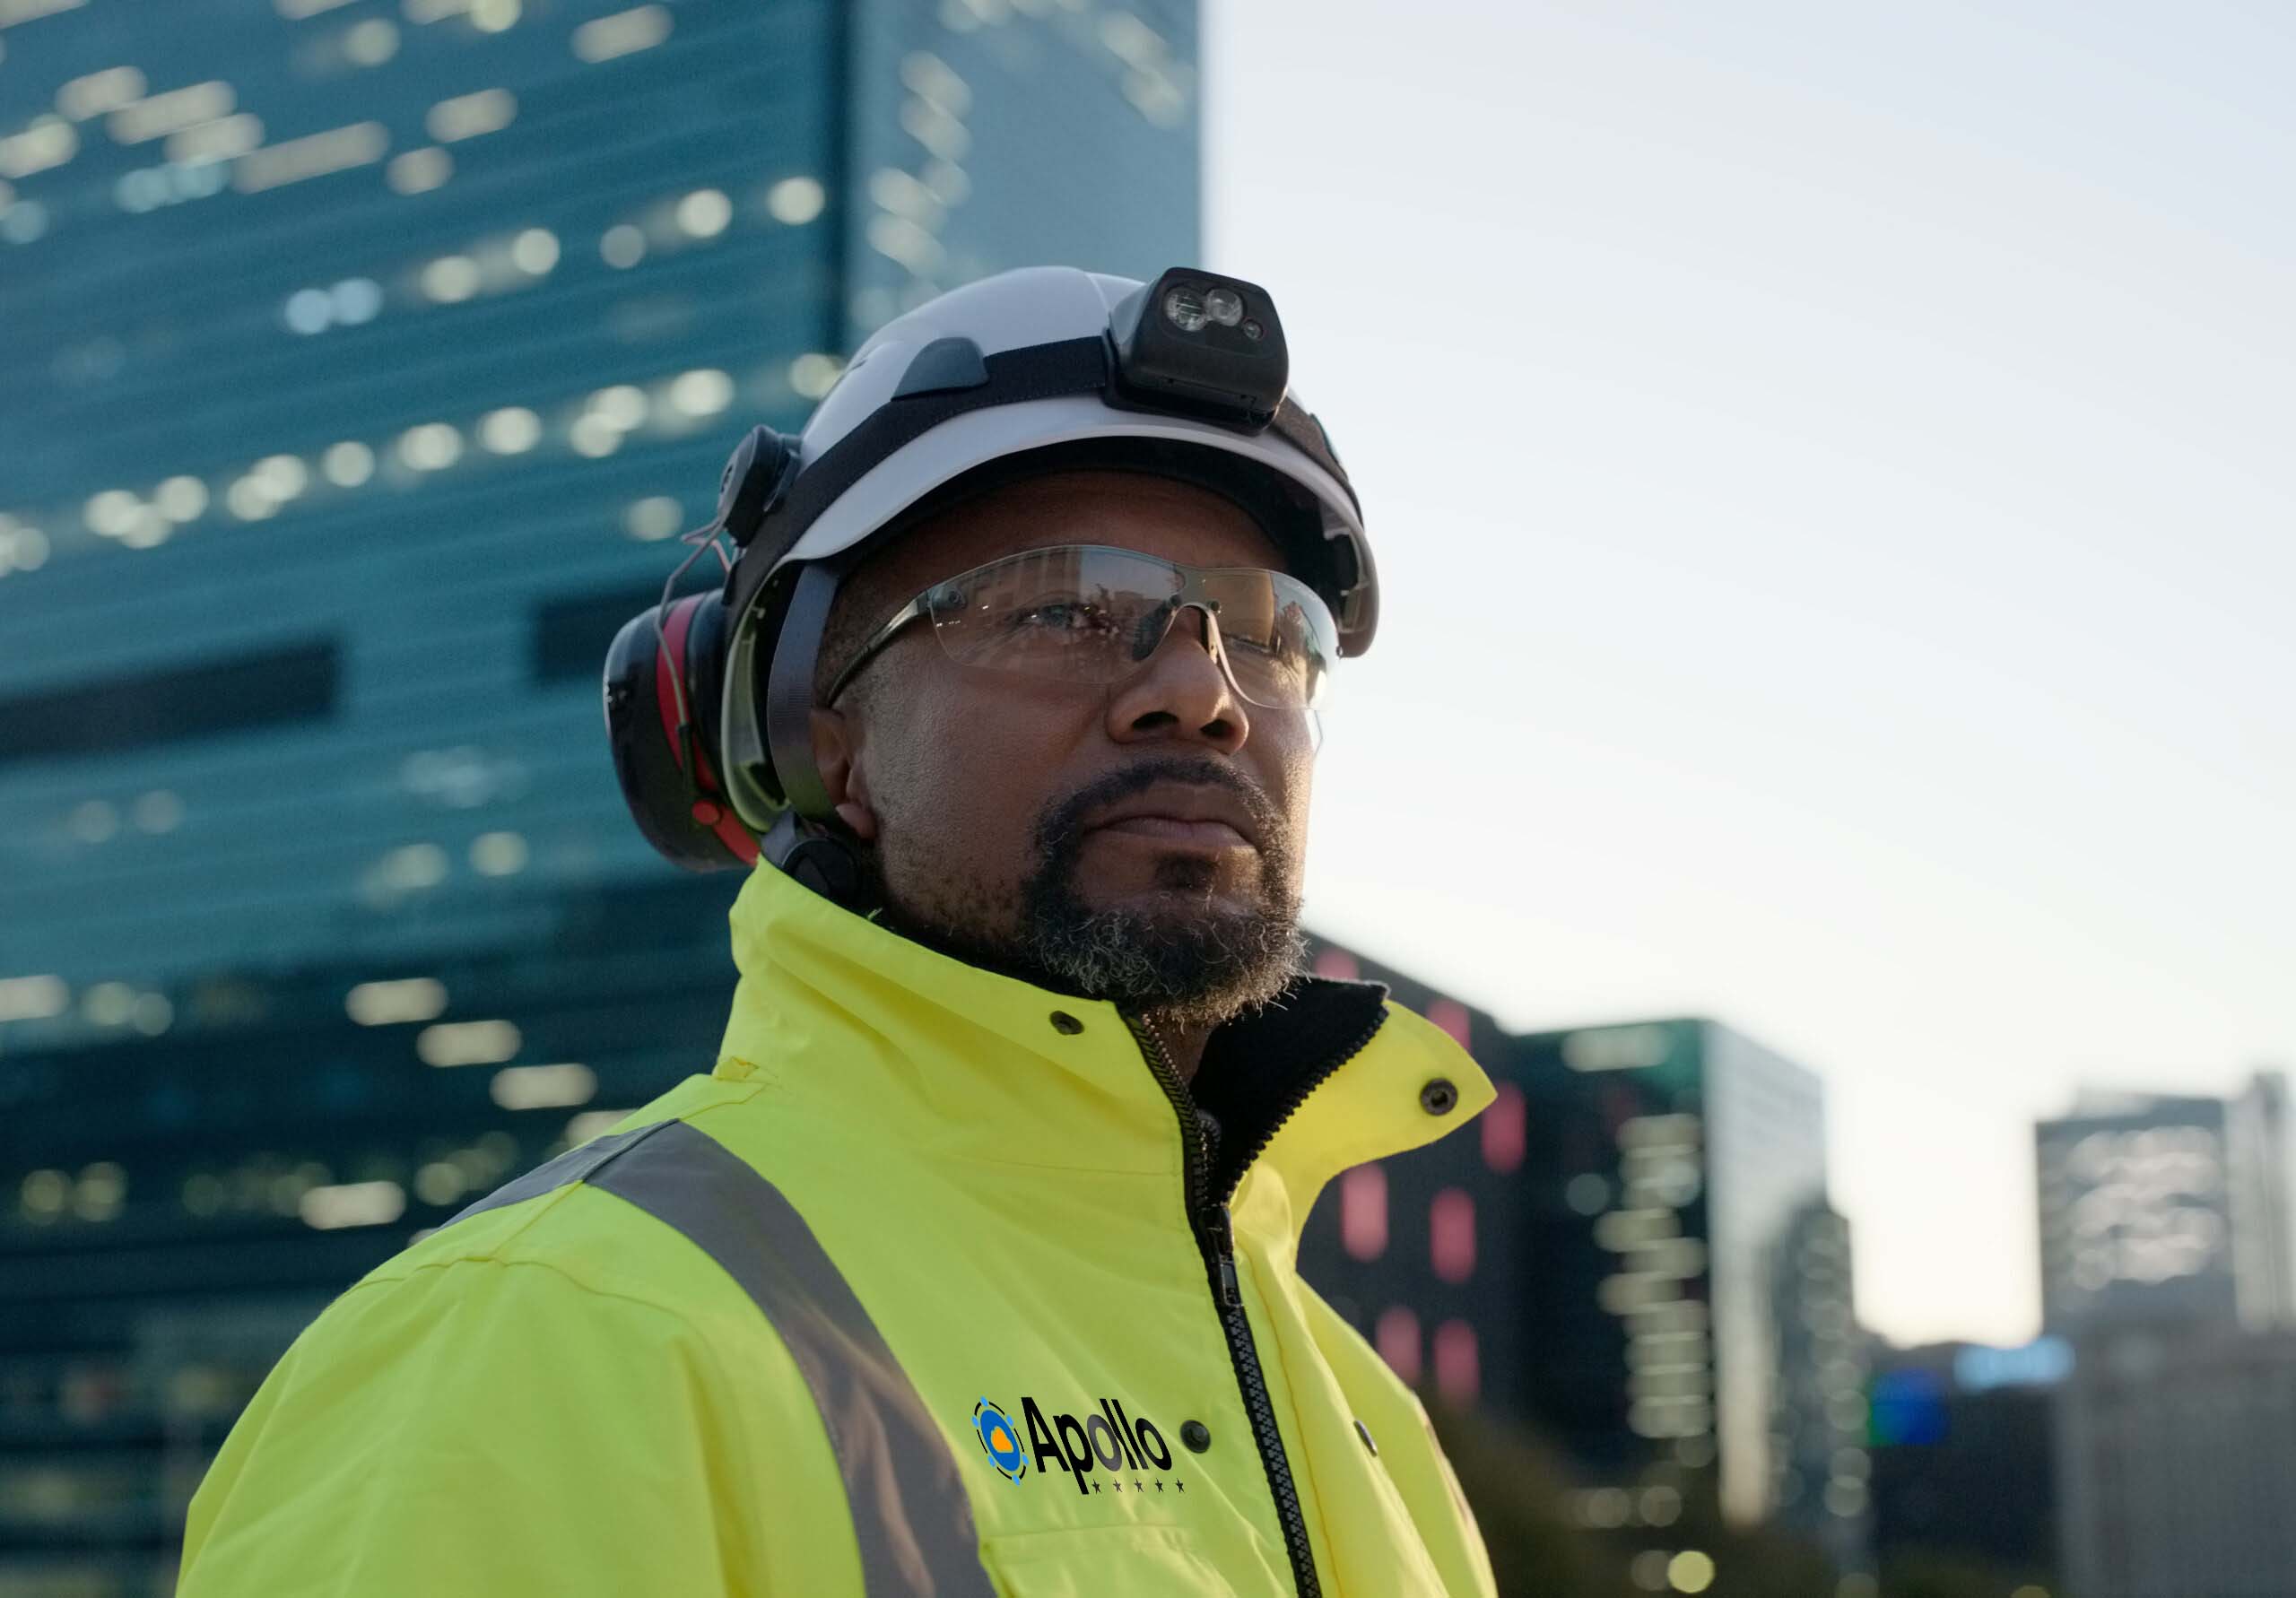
1635 1258
2162 1209
364 361
2175 1450
1963 1456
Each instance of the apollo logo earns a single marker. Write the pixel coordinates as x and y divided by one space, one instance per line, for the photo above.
1107 1440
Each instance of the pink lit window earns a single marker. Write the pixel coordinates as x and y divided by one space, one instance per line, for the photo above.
1397 1340
1458 1370
1338 964
1363 1212
1450 1234
1502 1130
1452 1016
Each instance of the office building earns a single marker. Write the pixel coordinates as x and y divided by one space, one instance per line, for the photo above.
1634 1256
2176 1457
365 358
2160 1210
1962 1456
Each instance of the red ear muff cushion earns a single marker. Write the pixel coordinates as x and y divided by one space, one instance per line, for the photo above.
710 809
642 734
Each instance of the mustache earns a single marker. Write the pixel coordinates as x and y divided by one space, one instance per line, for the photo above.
1061 826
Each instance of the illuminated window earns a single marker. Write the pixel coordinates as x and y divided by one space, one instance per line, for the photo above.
1363 1212
1450 1234
1458 1368
1396 1338
1502 1130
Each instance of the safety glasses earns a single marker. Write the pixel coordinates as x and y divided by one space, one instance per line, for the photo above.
1088 612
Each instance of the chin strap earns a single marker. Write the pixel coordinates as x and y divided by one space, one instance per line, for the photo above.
820 859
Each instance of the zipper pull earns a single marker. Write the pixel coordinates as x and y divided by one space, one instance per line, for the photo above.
1218 1227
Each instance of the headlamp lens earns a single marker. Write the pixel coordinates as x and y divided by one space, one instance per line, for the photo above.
1184 308
1224 305
1095 613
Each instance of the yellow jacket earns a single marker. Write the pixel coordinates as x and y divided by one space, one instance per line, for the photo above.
920 1291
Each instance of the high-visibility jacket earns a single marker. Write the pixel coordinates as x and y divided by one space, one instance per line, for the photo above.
928 1287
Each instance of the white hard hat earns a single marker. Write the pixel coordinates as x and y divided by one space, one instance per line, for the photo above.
1190 368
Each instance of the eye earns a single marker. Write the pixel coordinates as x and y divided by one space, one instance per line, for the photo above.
1069 618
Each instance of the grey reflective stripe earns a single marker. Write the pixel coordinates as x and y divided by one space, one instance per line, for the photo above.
571 1166
910 1516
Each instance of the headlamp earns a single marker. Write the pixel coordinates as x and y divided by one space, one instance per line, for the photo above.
1207 345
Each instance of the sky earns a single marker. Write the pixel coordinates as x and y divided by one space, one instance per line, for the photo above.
1832 477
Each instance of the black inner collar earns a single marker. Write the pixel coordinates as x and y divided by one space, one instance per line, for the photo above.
1258 1067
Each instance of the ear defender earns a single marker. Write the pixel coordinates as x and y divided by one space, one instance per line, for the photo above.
664 680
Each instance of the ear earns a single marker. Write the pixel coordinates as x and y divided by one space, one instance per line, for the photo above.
834 754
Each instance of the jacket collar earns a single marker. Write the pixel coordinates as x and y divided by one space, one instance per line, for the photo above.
852 1023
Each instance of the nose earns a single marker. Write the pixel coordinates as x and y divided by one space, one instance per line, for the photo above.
1182 690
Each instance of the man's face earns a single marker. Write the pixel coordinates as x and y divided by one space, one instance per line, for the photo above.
1139 841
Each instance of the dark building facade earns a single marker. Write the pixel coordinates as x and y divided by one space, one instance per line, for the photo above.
1963 1460
361 359
1633 1256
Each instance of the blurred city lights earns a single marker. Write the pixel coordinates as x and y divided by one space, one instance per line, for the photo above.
348 464
353 1204
451 279
467 1043
1690 1571
418 171
382 1003
33 998
370 43
703 391
157 812
535 251
623 246
652 519
181 498
511 430
704 213
498 854
623 33
467 115
622 406
432 446
796 200
544 1087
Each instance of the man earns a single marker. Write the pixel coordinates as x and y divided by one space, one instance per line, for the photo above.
970 1269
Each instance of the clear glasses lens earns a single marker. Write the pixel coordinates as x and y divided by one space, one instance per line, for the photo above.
1092 613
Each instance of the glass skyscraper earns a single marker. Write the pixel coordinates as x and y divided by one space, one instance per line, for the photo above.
360 361
1633 1255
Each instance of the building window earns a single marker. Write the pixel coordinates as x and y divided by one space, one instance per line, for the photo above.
1458 1368
1397 1337
1502 1130
1364 1212
298 682
1450 1234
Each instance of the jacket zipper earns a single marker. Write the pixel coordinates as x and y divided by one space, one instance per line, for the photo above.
1208 1219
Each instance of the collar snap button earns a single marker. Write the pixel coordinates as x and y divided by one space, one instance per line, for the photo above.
1439 1098
1066 1024
1196 1435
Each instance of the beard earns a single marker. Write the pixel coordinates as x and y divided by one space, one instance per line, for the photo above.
1189 959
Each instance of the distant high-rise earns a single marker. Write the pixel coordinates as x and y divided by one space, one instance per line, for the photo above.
360 361
1962 1456
1637 1252
2164 1210
2176 1461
